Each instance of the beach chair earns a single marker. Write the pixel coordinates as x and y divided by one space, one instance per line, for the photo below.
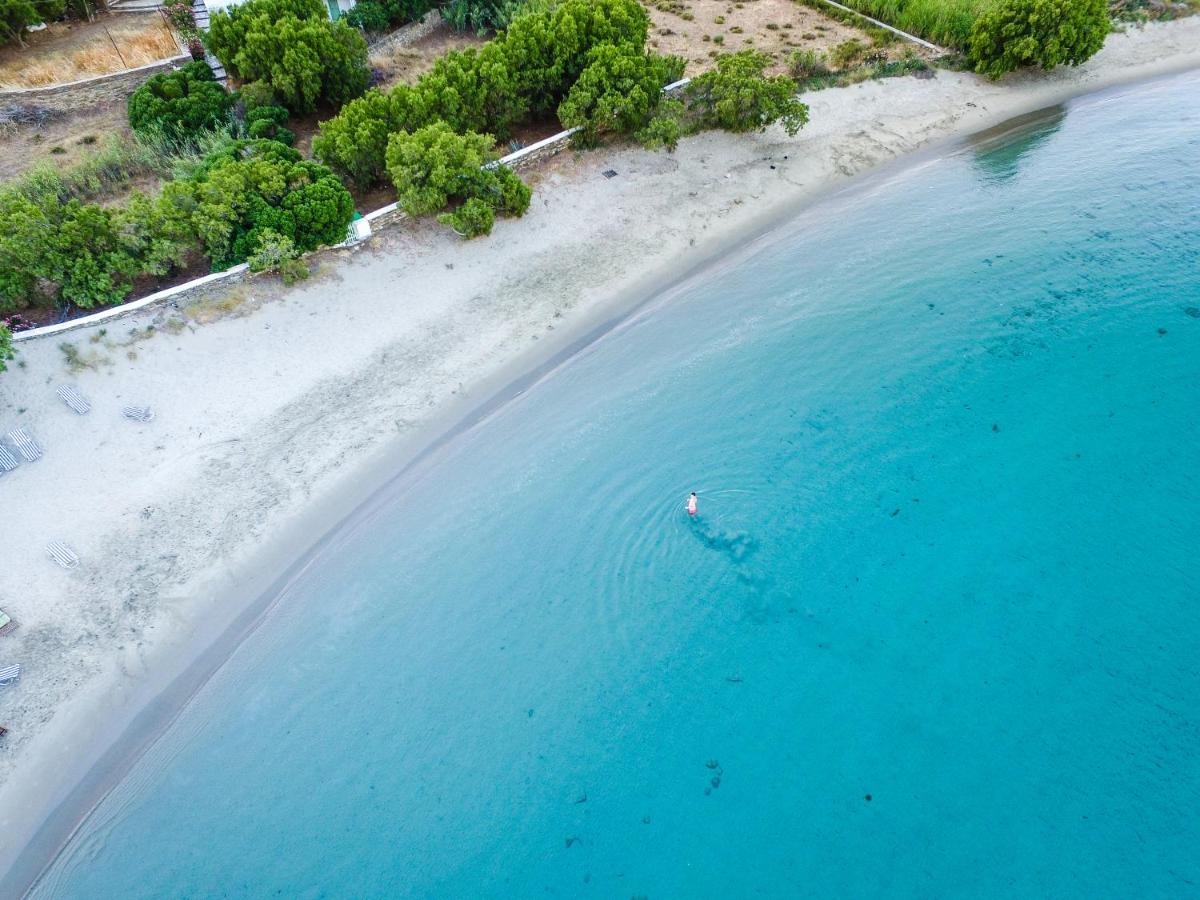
8 462
138 413
6 623
70 395
23 442
62 554
10 674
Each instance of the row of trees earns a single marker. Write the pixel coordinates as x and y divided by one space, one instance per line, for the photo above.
246 195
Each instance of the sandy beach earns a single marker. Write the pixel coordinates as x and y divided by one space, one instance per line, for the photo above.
279 410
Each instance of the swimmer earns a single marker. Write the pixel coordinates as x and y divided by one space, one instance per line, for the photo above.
691 504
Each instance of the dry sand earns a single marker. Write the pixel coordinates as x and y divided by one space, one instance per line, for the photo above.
278 410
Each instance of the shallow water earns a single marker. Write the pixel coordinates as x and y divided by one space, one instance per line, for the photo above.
934 633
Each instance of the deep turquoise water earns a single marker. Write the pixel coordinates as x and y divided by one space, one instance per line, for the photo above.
935 633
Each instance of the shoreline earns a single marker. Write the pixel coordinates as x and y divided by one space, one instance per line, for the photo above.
143 690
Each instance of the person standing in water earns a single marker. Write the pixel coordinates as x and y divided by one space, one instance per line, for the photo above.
691 504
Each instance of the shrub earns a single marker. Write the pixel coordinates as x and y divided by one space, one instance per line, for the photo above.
617 92
256 94
805 64
434 167
267 122
472 90
547 49
1047 33
473 218
180 103
380 15
847 53
481 16
250 187
179 14
736 96
277 252
292 45
665 128
6 349
354 142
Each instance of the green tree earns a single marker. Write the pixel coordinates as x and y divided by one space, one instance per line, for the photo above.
1010 34
275 251
481 16
354 142
292 45
737 96
474 218
434 167
228 27
180 103
267 122
251 187
17 15
472 90
548 48
618 91
380 15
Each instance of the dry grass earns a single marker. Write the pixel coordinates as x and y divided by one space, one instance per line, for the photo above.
698 30
70 52
406 64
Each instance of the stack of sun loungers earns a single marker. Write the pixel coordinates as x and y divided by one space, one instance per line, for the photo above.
6 623
8 462
20 441
10 674
138 413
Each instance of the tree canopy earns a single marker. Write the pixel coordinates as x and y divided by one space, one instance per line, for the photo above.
292 46
1010 34
17 15
737 96
618 91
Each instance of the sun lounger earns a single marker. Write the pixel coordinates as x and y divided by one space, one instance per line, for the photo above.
62 554
10 674
22 441
71 396
138 413
8 462
6 623
3 731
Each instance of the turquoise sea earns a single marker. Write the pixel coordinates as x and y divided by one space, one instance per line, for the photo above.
935 633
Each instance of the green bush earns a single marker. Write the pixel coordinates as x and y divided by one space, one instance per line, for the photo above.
665 127
481 16
547 49
736 96
354 142
292 46
472 90
805 64
433 167
267 122
251 187
847 53
17 15
474 218
1014 33
6 348
380 15
618 92
277 252
180 103
256 94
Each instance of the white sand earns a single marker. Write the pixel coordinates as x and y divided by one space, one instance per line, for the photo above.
278 416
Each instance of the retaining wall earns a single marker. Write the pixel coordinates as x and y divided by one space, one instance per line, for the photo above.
411 33
90 91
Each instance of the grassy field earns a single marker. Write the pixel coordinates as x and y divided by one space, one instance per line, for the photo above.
944 22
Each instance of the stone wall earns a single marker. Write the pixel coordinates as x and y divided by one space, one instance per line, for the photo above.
411 33
90 92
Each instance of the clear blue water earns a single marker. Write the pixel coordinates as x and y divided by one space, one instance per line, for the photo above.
934 634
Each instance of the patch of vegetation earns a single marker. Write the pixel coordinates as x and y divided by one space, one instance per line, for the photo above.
945 22
1012 34
17 15
380 15
292 46
180 103
6 347
618 92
